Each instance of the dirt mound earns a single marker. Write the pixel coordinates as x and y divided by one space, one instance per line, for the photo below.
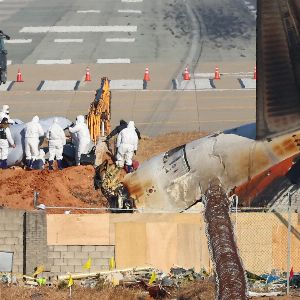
73 186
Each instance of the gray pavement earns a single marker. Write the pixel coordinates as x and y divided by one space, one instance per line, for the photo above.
154 112
169 31
162 35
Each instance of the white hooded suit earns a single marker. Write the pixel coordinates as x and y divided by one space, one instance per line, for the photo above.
81 138
33 132
57 140
5 142
4 113
127 143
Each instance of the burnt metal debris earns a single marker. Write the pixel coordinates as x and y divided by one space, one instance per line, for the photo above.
107 179
229 271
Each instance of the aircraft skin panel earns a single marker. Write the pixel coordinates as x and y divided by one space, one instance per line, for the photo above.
233 159
278 67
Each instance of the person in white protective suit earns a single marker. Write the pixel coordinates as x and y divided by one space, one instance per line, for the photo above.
6 140
81 138
33 132
57 140
127 143
4 113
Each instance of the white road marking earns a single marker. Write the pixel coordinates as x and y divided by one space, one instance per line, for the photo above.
132 0
249 83
45 29
58 85
121 40
113 61
68 40
126 84
18 41
196 84
9 62
212 75
129 11
88 11
54 61
4 87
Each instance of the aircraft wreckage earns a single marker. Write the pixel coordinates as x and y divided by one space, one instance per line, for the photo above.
248 159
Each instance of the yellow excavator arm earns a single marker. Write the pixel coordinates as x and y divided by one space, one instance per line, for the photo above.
99 115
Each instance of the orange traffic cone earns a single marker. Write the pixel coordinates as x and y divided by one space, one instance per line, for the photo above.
19 76
217 74
87 74
254 74
186 74
147 75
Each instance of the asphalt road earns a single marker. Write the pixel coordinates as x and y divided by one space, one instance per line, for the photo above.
166 31
165 35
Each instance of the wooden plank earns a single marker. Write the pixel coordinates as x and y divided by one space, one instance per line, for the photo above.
130 249
78 229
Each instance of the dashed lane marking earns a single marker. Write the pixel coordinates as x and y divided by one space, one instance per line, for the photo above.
130 11
7 86
129 1
45 29
113 61
54 61
58 85
247 83
196 84
120 40
68 41
18 41
126 84
91 11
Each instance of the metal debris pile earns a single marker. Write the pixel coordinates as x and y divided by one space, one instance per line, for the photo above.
107 178
156 282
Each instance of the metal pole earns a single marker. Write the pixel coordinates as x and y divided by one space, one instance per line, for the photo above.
288 246
35 199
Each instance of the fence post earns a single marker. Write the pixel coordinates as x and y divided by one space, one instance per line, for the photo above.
288 246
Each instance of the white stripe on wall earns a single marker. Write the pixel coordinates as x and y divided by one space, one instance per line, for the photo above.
44 29
54 61
121 40
113 61
68 40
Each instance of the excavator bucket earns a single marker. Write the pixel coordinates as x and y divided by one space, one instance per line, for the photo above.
99 115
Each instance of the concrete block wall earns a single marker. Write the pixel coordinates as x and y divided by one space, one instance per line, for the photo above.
71 258
11 236
35 247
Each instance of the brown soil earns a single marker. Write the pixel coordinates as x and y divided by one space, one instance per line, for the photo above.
73 186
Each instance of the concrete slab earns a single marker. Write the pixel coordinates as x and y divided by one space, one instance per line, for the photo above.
7 86
247 83
196 84
58 85
126 84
